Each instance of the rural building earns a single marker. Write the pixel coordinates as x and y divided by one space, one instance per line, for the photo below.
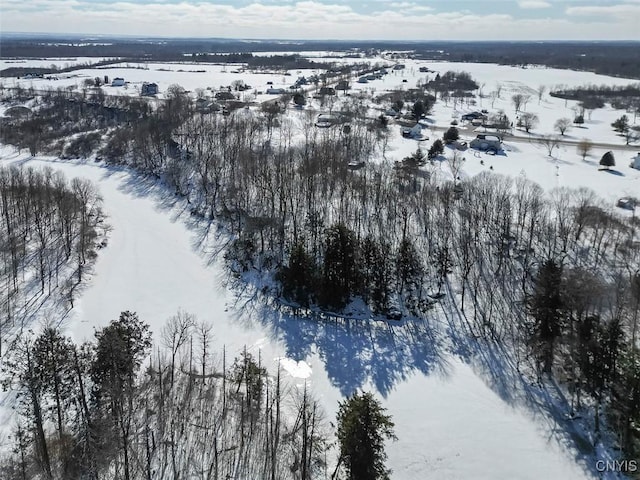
473 116
327 91
343 85
414 132
326 120
627 203
205 105
275 91
635 162
486 142
149 89
117 82
225 95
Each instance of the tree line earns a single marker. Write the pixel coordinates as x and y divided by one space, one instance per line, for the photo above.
49 230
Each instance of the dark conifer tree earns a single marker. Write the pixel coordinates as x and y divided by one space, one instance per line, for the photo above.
339 271
546 307
298 278
363 427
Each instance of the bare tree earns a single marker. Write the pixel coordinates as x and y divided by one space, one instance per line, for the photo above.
584 148
562 125
175 333
518 101
541 91
549 142
528 121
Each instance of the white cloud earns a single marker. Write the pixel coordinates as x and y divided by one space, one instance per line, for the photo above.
533 4
298 20
629 11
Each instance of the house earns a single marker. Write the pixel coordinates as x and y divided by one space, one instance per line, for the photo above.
149 89
275 91
205 105
635 162
399 66
414 132
343 85
117 82
628 203
326 120
486 142
225 95
327 91
469 117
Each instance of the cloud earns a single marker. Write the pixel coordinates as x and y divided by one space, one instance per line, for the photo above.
628 11
308 19
533 4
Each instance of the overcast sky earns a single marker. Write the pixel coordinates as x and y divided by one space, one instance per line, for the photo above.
332 19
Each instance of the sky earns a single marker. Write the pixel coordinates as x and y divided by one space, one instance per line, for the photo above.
331 19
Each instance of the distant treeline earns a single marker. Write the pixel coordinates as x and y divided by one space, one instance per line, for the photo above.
609 58
625 97
21 71
284 62
620 59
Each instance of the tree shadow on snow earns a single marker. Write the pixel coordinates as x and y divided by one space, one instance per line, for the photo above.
612 172
494 362
354 352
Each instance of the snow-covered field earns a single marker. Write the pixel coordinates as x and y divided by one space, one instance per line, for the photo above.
48 62
190 76
452 421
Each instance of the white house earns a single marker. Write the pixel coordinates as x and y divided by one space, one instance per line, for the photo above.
635 162
117 82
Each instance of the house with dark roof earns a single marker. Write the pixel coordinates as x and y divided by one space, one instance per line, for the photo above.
149 89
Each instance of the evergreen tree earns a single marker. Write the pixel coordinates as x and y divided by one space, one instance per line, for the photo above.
419 109
53 356
408 266
621 124
546 307
339 270
299 99
608 160
451 135
362 429
376 273
121 348
627 402
436 149
298 278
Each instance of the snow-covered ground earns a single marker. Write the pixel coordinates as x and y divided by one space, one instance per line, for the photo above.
188 75
449 422
48 62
